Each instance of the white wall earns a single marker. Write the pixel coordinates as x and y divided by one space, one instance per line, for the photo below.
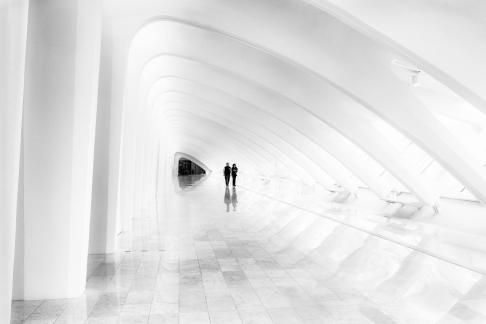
13 35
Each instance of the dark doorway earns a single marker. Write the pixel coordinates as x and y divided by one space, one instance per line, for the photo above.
187 167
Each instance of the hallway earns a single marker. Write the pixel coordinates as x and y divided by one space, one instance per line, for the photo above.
359 133
260 261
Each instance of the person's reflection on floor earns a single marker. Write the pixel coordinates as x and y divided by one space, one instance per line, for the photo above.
227 199
234 199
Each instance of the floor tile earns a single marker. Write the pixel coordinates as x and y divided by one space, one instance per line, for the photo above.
254 266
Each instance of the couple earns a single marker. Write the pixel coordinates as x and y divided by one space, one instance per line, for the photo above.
230 171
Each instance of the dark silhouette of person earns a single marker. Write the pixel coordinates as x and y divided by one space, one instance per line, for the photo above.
227 173
234 199
227 199
234 171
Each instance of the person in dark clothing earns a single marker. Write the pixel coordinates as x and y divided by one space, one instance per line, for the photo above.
234 171
227 173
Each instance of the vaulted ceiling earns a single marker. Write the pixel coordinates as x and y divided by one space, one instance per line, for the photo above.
336 92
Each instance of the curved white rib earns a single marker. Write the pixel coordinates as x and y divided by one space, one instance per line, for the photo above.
349 123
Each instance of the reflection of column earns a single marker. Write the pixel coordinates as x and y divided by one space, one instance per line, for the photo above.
13 35
61 87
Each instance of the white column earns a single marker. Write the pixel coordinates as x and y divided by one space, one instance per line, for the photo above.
13 35
105 222
61 87
99 227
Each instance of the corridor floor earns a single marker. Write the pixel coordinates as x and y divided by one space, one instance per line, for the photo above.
223 257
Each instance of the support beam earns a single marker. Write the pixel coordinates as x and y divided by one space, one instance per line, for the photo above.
58 143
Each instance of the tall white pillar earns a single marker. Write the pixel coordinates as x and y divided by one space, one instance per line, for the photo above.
61 87
105 225
13 36
99 227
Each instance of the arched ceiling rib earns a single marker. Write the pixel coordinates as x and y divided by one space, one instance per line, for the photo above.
292 117
197 124
305 167
449 46
193 124
273 153
286 128
196 146
191 141
347 123
314 149
330 78
271 127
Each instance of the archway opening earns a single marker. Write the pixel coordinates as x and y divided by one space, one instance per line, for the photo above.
188 167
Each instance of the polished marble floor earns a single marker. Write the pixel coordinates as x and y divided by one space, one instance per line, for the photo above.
222 256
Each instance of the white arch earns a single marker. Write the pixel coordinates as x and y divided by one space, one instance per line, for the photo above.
348 123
